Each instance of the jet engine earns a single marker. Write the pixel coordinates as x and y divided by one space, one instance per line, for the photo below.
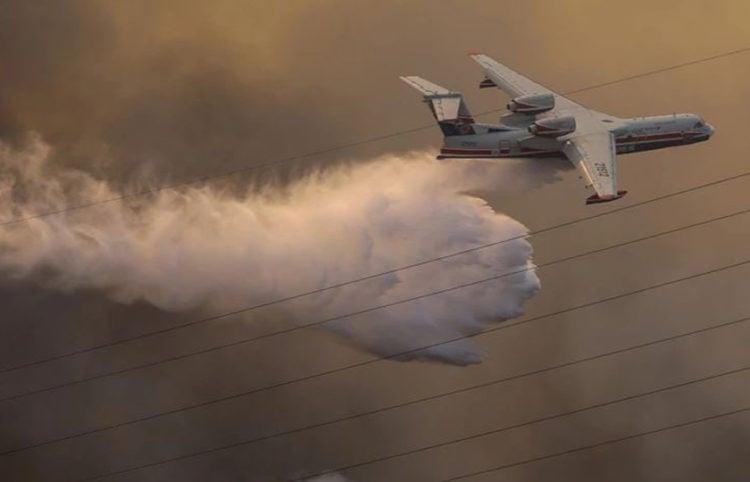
532 104
553 127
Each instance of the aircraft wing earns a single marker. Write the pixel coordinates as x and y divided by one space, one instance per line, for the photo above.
515 84
594 155
591 147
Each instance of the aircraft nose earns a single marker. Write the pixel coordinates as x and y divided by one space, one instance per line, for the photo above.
710 129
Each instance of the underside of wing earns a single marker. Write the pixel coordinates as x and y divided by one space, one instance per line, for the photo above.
595 156
513 83
509 81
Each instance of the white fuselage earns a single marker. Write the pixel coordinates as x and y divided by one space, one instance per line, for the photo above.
512 138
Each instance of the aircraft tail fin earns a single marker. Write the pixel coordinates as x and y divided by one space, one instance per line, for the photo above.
448 108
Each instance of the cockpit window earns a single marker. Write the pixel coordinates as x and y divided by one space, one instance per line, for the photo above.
698 125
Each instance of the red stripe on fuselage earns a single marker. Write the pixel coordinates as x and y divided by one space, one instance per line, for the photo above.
532 149
651 138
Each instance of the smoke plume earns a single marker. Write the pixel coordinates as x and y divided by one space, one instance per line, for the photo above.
202 248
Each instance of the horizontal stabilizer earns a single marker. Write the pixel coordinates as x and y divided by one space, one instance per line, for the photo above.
426 87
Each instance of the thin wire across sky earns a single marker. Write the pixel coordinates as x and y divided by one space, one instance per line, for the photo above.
497 381
266 304
340 147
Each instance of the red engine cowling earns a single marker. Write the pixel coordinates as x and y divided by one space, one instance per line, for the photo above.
553 127
532 104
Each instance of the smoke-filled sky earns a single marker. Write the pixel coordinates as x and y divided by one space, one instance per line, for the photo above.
103 98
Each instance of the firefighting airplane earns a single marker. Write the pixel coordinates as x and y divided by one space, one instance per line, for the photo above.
542 123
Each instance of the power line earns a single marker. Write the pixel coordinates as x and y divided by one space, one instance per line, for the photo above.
344 146
536 420
454 392
660 70
399 405
381 307
546 229
601 444
369 277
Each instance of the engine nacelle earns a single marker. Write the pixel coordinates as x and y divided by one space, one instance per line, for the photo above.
532 104
553 127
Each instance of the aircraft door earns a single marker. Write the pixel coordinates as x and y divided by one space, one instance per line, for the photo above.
504 147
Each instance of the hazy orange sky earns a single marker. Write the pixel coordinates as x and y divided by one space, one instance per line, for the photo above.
169 91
